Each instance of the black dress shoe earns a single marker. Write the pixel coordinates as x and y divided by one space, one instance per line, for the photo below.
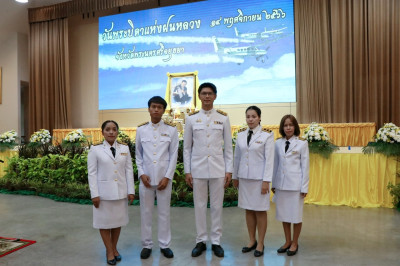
112 262
145 254
248 249
283 250
218 250
118 258
292 253
167 252
258 253
198 249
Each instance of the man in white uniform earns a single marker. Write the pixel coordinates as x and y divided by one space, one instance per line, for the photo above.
208 163
156 154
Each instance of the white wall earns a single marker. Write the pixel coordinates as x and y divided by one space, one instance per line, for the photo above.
14 64
9 108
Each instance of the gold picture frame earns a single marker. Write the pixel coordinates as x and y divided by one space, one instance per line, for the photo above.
181 91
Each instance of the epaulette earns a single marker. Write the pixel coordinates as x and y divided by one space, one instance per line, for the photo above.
194 112
222 112
97 143
242 129
267 130
142 124
122 143
169 124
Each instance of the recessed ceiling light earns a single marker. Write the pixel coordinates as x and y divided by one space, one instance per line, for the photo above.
22 1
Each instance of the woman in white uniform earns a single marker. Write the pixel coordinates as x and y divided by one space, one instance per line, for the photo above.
290 181
253 168
110 174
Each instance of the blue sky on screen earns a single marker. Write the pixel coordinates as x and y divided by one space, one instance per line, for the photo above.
249 62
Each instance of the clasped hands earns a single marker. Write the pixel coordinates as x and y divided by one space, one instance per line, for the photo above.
264 186
189 179
161 185
96 200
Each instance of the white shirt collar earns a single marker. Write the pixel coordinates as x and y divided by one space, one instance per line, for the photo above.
256 129
291 139
207 112
108 144
156 125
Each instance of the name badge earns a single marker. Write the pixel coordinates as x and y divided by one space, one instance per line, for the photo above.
198 120
259 142
164 135
294 152
124 153
218 123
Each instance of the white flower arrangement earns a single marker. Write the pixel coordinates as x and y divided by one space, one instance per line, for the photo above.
75 136
319 141
9 137
389 133
41 137
315 132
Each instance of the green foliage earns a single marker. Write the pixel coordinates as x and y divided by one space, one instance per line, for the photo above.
323 148
41 148
395 193
7 146
50 169
72 191
61 174
385 148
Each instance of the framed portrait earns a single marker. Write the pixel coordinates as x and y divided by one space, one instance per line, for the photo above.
181 90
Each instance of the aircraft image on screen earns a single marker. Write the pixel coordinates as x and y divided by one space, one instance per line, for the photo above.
240 51
271 35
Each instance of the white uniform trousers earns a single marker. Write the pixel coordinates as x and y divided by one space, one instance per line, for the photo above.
200 196
147 196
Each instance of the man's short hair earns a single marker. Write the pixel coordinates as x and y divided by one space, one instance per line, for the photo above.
184 81
157 99
207 85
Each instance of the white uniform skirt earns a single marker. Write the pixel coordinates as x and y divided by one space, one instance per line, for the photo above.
250 197
289 206
111 214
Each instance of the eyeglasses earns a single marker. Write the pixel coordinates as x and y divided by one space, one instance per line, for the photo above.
206 93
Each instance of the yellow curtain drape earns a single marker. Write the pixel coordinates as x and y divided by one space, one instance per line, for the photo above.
4 157
94 134
355 180
346 134
49 90
356 134
347 61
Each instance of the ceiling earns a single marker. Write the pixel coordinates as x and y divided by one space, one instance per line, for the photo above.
14 15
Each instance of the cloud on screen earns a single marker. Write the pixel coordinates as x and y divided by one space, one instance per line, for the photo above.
149 87
280 72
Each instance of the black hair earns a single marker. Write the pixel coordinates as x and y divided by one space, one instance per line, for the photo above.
255 108
103 126
207 85
157 99
184 81
295 123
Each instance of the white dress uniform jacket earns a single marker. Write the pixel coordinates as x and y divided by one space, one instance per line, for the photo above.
156 151
208 144
110 178
256 160
291 169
